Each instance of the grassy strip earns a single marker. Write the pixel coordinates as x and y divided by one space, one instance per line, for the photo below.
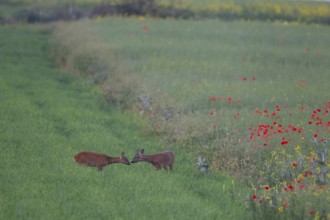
47 116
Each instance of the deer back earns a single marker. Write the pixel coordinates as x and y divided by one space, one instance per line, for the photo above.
98 160
159 160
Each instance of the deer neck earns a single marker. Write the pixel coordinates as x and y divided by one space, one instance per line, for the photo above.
148 158
113 160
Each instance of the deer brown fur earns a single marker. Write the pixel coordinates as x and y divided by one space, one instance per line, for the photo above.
159 160
99 160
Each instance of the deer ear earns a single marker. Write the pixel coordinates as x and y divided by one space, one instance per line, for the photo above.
141 151
122 153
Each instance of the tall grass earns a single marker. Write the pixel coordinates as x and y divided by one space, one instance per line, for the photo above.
197 60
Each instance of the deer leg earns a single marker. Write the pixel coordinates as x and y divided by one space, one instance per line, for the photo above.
99 167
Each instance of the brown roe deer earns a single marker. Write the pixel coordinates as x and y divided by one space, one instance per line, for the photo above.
99 160
159 160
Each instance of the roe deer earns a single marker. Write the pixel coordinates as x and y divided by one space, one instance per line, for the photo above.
159 160
99 160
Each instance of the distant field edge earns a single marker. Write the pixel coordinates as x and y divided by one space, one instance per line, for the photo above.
310 12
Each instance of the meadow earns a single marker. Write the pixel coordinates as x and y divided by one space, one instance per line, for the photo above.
251 97
48 115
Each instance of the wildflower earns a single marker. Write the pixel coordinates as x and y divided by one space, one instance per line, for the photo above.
311 212
244 78
312 161
308 172
258 111
291 187
294 164
281 209
253 78
145 28
254 196
213 99
260 201
300 177
266 187
286 204
229 99
284 142
301 186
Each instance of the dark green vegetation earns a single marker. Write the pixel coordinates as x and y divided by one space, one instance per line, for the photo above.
47 116
270 10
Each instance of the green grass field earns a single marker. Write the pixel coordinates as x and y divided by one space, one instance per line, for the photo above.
249 96
48 115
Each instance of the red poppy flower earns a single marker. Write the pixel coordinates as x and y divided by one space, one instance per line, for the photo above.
286 204
213 99
266 187
308 172
253 196
145 28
